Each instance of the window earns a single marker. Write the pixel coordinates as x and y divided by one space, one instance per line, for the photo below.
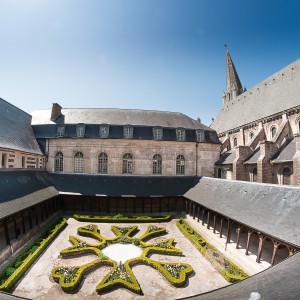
157 164
235 142
127 163
180 133
286 176
200 135
78 162
180 165
80 129
23 162
61 130
273 131
102 163
251 135
299 126
104 131
128 132
157 133
59 162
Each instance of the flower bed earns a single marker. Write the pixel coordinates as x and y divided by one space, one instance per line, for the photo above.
13 272
230 271
122 219
121 274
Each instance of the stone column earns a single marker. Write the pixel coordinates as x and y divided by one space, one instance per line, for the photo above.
275 248
248 241
260 247
208 219
215 217
221 227
238 237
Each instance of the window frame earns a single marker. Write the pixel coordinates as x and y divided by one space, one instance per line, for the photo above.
102 163
157 164
157 133
61 130
78 162
180 165
59 162
200 135
180 134
128 131
80 130
102 133
127 164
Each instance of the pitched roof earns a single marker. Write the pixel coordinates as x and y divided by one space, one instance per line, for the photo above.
114 116
227 158
277 93
15 129
271 209
253 158
286 154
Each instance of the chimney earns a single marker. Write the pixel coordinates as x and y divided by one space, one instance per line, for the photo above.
56 111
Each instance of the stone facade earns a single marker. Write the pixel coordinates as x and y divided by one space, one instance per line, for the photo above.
199 157
259 128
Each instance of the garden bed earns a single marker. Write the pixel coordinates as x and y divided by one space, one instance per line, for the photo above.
13 272
230 271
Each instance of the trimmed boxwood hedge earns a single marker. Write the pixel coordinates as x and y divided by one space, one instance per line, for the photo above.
13 272
231 272
120 274
122 219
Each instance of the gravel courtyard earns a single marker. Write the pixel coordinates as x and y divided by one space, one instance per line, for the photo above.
38 282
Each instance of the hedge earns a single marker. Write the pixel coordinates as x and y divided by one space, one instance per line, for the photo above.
122 219
230 271
121 274
21 263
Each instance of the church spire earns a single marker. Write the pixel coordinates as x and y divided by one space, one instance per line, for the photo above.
233 83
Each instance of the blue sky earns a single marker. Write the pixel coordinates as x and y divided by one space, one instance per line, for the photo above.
160 54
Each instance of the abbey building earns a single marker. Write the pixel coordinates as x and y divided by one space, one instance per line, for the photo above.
259 128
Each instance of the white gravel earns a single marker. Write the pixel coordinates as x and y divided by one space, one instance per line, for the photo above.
121 253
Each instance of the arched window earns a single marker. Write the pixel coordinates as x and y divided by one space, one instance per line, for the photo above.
286 176
273 131
254 174
59 162
78 162
219 173
251 134
102 163
180 165
157 164
235 142
127 163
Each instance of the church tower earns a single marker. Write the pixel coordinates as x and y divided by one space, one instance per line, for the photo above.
233 83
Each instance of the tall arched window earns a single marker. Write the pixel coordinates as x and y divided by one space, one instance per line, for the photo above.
102 163
127 163
273 131
286 176
157 164
251 134
59 162
78 162
180 165
235 142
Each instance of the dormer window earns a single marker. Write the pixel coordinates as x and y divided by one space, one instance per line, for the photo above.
200 135
61 130
157 133
80 129
180 134
104 131
128 131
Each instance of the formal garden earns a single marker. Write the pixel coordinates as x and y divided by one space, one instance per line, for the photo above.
118 256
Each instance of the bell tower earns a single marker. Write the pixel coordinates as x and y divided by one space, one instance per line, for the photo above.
233 84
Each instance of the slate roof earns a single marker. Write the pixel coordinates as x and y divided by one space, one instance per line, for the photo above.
23 188
286 154
268 208
117 186
278 282
227 158
114 116
253 158
15 129
277 93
